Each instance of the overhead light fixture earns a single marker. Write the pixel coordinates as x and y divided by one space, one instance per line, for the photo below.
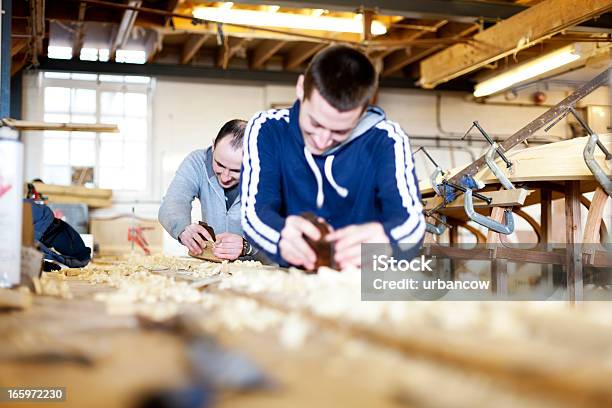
528 70
317 12
286 20
58 52
227 5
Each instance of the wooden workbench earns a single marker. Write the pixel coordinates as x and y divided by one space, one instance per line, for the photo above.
113 362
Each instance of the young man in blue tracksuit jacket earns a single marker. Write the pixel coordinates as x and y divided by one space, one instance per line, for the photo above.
335 156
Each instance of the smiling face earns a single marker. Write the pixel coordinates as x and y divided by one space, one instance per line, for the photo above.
322 125
226 162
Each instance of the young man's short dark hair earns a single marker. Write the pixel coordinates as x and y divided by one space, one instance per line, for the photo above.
343 75
235 129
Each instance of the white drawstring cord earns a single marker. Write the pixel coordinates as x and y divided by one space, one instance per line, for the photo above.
317 174
342 192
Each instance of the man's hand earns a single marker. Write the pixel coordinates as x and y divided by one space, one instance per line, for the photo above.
191 238
293 248
348 242
228 246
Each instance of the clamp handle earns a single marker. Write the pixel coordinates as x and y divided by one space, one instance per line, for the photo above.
506 228
490 160
599 173
432 179
437 229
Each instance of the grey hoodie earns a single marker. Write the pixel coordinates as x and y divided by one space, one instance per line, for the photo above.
195 178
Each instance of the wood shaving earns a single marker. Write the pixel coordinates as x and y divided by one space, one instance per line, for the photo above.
49 285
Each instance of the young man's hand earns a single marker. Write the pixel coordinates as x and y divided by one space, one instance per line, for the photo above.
348 242
228 246
191 238
293 248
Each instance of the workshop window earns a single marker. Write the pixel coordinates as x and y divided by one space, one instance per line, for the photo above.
119 161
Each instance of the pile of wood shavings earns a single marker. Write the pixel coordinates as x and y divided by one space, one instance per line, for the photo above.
52 284
338 295
148 286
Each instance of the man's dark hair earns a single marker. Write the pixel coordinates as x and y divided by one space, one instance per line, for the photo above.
344 76
235 129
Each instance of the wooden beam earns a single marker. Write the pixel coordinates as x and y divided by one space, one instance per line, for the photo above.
37 28
64 127
592 230
125 28
509 36
154 45
264 52
395 61
18 63
301 53
546 218
172 4
573 237
502 198
79 33
368 16
407 56
18 46
595 217
192 46
227 51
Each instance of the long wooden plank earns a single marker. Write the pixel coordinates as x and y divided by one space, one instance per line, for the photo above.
509 36
540 121
502 198
89 201
73 191
558 161
64 127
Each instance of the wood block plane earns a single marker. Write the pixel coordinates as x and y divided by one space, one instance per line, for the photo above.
323 249
207 252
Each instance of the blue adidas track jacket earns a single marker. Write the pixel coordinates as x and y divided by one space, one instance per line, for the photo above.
369 177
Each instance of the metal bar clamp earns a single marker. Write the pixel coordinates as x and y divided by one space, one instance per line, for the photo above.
506 228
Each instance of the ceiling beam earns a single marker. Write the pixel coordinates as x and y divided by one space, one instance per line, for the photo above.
37 28
406 56
172 4
202 73
507 37
18 63
227 51
457 10
18 45
153 45
264 51
79 33
125 28
192 46
401 58
301 53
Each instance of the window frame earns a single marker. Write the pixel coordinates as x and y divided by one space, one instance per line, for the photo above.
108 86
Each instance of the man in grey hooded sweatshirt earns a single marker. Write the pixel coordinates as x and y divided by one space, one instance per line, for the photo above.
212 175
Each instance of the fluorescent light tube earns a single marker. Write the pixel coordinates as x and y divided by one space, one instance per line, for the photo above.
530 69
